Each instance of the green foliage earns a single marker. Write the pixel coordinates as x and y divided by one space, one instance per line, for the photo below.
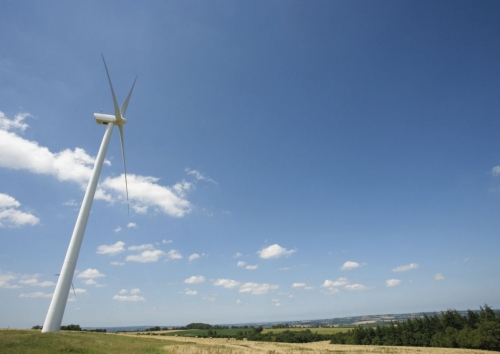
71 327
449 330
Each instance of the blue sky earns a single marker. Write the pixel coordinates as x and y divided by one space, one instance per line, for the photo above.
287 160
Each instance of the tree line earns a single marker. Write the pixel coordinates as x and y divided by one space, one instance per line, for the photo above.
475 330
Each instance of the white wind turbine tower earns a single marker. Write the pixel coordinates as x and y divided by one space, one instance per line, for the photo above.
58 304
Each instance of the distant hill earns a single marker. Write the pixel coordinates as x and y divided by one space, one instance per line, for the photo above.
328 322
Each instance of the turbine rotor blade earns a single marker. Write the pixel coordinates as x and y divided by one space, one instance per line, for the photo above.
125 103
120 127
74 292
118 115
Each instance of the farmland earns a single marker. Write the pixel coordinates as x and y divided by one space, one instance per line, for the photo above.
30 341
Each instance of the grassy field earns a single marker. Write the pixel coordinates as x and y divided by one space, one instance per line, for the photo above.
30 341
312 329
33 341
233 331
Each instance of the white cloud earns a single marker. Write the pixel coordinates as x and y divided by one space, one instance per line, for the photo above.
80 291
239 302
438 276
350 265
338 282
277 304
141 247
135 291
226 283
298 285
166 241
356 287
392 282
309 288
199 176
284 269
240 264
146 256
252 267
132 225
406 267
237 255
195 279
118 229
117 263
495 171
128 298
71 202
111 249
256 288
191 292
194 256
274 251
123 292
5 278
76 166
330 291
93 283
10 216
90 274
174 254
15 124
37 294
35 282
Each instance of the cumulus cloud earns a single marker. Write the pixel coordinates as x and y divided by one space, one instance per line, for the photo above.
330 291
350 265
274 251
118 229
10 215
166 241
128 298
111 250
146 256
338 282
141 247
191 292
392 282
199 176
93 283
37 294
406 267
36 282
174 254
132 225
123 292
195 279
298 285
240 264
80 291
256 288
135 291
356 287
495 171
252 267
237 255
90 274
226 283
76 166
438 276
117 263
194 256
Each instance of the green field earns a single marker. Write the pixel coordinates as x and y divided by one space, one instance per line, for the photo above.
232 332
204 332
320 330
33 341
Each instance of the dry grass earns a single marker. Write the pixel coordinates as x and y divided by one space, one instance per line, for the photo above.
228 346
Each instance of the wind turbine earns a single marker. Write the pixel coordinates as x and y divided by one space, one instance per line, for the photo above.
58 304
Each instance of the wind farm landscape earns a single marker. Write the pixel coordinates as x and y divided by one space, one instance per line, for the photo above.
285 176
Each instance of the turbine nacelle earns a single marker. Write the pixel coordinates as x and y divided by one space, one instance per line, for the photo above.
108 118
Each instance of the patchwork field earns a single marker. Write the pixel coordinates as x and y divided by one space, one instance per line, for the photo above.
31 341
